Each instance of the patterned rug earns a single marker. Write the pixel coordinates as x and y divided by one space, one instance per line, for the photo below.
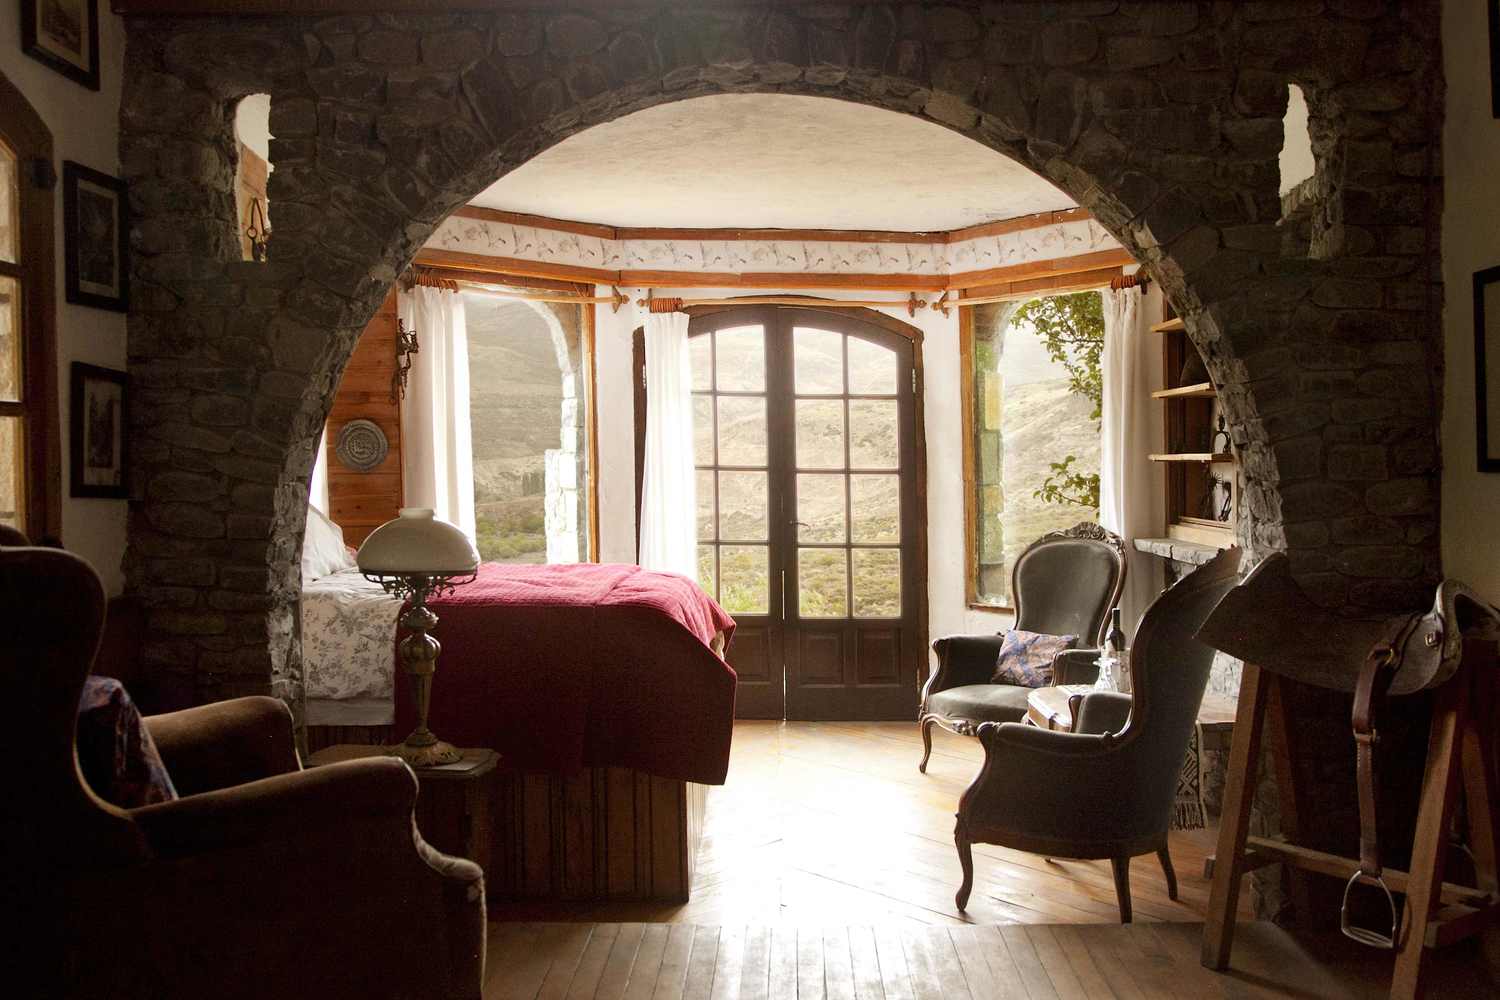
1187 810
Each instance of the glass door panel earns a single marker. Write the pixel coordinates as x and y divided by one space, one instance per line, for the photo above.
804 443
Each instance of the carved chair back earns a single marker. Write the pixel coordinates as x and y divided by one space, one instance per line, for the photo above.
1169 668
1067 582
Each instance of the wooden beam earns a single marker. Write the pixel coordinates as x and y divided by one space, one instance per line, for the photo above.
1041 268
175 8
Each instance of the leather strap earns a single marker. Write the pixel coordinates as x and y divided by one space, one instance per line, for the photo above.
1375 677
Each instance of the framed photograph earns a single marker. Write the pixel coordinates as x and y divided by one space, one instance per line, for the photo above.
1487 366
96 432
64 34
1495 57
95 238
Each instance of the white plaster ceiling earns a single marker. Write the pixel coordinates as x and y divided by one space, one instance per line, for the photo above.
773 161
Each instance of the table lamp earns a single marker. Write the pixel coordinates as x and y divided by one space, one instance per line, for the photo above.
417 557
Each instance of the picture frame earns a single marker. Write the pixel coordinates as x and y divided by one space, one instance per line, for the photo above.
1487 367
63 34
96 227
97 437
1494 6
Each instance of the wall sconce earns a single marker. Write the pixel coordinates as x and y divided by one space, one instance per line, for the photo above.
258 232
406 346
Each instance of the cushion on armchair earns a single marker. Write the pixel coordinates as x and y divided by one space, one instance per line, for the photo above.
116 754
1025 658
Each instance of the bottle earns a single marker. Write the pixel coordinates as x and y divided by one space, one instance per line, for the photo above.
1115 641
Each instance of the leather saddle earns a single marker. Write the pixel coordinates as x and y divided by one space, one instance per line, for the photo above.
1269 621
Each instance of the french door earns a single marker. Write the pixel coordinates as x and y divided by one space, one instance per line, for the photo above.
809 509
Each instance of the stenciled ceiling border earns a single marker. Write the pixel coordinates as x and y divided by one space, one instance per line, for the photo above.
591 249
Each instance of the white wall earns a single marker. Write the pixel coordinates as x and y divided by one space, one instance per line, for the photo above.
944 421
1471 241
85 129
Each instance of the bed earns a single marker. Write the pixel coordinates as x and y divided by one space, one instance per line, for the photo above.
603 686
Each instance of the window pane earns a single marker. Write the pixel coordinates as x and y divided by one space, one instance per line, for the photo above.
875 503
742 506
822 586
703 430
707 578
12 463
874 441
820 508
1026 418
528 418
10 207
10 339
742 430
877 583
741 359
820 434
872 368
700 351
744 579
705 490
818 360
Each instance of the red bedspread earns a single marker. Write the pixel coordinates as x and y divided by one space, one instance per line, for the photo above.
564 667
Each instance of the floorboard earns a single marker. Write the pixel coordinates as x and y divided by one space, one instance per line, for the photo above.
827 872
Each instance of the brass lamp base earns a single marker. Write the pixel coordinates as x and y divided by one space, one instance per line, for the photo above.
432 755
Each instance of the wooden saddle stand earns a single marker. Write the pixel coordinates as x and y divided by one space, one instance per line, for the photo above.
1272 626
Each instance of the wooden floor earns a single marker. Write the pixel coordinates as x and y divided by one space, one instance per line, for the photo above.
827 871
914 962
823 823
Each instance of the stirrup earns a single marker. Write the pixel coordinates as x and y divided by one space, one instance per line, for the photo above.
1364 935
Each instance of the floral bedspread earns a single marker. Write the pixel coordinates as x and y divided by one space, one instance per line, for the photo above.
348 627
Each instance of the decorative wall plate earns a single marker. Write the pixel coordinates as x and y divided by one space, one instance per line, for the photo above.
361 445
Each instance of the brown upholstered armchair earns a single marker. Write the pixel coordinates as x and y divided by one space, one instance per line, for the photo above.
1106 789
1065 583
260 880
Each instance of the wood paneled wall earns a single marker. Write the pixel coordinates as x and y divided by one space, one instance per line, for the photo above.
359 502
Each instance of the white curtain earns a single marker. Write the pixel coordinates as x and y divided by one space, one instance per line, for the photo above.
317 486
1125 473
437 454
668 504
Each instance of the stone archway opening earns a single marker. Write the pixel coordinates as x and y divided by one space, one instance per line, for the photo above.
1165 121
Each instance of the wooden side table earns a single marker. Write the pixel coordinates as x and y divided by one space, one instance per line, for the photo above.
1052 708
454 803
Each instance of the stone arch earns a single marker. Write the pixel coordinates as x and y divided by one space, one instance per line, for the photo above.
1160 119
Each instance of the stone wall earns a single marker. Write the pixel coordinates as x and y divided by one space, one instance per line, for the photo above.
1163 119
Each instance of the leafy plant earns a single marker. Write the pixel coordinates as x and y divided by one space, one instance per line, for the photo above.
1072 330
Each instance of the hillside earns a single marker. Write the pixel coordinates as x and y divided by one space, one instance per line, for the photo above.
1043 423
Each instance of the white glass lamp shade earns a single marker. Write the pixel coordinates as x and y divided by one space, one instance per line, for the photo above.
417 544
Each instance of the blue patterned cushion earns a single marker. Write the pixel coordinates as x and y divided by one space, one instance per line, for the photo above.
115 751
1025 658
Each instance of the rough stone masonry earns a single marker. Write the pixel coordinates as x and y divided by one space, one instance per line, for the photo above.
1164 119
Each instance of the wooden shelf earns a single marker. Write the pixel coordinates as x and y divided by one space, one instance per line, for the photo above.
1170 326
1196 456
1202 390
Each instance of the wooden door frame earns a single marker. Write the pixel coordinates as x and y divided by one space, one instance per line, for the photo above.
25 132
919 423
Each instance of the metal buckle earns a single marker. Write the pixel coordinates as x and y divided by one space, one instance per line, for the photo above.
1364 935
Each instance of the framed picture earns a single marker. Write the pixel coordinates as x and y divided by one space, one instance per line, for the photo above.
64 34
1495 57
95 235
1487 366
96 432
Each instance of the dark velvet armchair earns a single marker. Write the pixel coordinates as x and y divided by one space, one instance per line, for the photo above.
1065 583
261 880
1106 789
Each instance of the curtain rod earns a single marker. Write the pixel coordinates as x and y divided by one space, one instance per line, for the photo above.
421 276
663 304
943 304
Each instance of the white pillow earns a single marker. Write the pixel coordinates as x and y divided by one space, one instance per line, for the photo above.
323 549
